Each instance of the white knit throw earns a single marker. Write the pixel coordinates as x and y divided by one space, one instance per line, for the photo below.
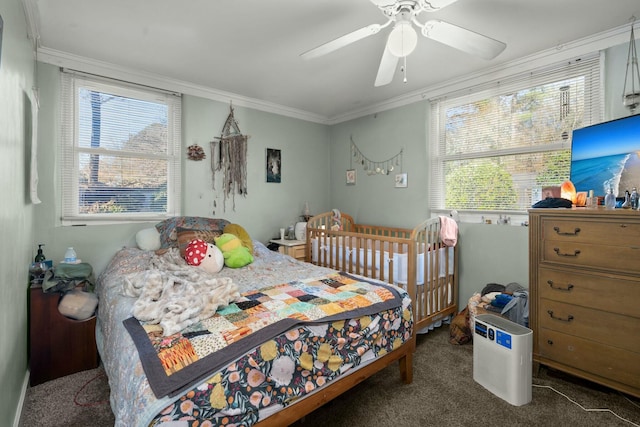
176 295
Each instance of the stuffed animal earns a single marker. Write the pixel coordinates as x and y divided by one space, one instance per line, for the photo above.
460 329
241 234
336 219
204 255
235 254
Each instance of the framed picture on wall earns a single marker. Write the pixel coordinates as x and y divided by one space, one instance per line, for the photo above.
351 177
274 165
401 180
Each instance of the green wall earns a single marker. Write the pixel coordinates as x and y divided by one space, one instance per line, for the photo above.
267 207
16 211
315 158
488 253
374 198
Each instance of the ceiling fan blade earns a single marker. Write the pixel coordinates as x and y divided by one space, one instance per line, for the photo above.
463 39
433 5
342 41
382 3
387 69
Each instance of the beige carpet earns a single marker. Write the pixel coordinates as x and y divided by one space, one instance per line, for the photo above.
443 393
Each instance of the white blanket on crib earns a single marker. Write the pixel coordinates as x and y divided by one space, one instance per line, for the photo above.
369 257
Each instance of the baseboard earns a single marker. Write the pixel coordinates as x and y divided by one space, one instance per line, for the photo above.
23 394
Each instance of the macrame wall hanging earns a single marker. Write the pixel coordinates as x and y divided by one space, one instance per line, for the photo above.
374 167
229 158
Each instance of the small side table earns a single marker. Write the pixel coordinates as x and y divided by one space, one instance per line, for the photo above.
59 345
293 248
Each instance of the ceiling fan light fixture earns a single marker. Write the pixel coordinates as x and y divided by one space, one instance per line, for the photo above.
403 39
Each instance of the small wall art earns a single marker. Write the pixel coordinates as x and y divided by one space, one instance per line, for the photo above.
274 165
351 177
401 180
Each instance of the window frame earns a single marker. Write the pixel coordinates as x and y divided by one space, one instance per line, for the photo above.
589 65
70 150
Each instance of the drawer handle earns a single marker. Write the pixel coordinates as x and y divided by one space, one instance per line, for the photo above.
558 288
564 233
574 254
549 342
568 319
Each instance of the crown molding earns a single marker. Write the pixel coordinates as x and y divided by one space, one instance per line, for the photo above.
33 21
566 51
106 69
562 52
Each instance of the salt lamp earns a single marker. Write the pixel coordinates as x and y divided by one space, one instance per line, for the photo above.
568 191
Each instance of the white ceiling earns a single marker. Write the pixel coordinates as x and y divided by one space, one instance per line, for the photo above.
251 48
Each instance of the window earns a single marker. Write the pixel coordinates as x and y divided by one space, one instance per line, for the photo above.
494 147
120 151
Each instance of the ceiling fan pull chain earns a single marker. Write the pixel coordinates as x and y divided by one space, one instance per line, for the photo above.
404 69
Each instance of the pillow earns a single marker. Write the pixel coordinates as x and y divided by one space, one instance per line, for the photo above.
186 235
241 234
148 239
169 234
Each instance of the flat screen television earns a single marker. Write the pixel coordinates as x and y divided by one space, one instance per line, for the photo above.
607 155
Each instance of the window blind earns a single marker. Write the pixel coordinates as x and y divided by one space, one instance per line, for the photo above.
493 146
120 151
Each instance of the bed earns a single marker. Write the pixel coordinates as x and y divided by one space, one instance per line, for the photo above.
422 260
224 370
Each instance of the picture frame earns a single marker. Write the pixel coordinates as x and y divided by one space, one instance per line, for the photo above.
351 177
274 165
401 180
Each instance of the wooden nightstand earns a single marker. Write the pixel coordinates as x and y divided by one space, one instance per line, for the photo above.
58 345
293 248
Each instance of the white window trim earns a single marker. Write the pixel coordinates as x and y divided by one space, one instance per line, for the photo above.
69 167
481 91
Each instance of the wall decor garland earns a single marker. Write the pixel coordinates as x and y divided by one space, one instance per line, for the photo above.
374 167
229 157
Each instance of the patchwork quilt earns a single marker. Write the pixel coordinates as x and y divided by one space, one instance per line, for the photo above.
176 362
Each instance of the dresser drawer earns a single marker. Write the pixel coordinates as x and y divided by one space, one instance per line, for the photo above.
597 255
615 232
603 327
604 361
603 292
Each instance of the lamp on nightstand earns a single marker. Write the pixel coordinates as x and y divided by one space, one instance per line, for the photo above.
305 212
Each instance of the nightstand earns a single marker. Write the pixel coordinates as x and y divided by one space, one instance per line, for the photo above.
293 248
58 345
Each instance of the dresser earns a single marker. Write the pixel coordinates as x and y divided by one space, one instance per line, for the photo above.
584 294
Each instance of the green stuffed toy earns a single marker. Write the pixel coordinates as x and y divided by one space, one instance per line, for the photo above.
235 254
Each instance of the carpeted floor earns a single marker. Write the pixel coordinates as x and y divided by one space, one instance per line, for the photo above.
443 393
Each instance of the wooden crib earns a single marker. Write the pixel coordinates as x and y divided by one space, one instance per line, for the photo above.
415 259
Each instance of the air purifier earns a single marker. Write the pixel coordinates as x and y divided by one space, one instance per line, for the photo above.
502 354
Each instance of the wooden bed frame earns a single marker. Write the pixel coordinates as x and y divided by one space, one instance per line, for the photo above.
434 300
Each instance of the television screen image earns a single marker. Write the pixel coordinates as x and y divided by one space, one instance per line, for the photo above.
607 155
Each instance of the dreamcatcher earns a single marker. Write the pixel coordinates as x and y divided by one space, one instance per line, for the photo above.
229 157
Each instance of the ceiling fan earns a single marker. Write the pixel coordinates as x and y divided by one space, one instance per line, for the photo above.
402 40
